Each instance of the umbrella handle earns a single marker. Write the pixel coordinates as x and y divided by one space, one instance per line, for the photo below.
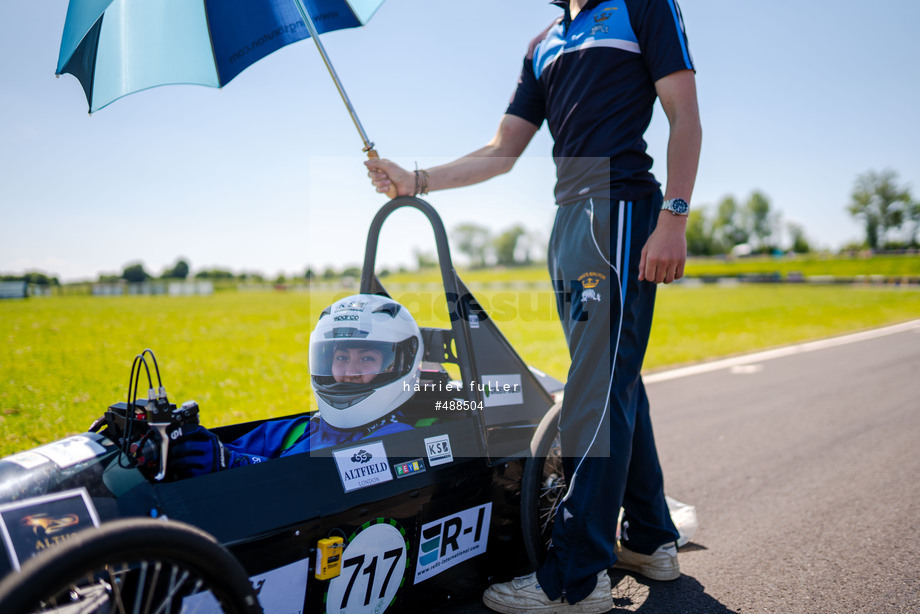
373 155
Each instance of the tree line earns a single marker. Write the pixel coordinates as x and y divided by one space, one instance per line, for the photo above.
135 273
752 224
514 246
39 279
889 214
180 271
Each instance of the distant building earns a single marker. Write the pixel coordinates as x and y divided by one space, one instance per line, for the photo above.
186 288
115 288
14 289
147 288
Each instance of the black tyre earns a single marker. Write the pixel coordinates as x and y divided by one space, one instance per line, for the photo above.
542 487
132 565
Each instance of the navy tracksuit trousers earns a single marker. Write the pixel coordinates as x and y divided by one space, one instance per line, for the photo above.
608 448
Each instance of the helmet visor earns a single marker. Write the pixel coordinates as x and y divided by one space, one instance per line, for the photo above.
355 361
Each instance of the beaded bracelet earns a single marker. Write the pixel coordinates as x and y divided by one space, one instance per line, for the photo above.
421 181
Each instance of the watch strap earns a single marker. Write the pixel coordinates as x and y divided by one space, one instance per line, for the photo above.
677 206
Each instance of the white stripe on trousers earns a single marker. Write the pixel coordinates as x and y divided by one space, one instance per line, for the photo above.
621 226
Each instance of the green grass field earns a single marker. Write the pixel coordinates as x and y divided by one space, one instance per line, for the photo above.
243 355
809 265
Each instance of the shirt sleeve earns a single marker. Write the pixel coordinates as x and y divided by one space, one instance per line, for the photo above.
389 429
528 101
659 27
268 439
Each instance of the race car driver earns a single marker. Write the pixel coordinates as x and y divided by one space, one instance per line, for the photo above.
365 354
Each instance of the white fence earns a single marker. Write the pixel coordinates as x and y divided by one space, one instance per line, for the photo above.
154 288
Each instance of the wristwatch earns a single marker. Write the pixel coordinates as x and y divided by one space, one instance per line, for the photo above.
677 206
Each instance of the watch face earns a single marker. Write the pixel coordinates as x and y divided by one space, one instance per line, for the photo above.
678 206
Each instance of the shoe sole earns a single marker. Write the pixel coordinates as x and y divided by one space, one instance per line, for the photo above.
584 606
662 575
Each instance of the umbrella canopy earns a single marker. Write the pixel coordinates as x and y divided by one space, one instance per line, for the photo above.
117 47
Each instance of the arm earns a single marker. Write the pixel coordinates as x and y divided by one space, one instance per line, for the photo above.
497 157
665 254
198 451
270 438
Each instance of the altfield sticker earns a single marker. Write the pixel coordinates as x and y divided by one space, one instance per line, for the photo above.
363 466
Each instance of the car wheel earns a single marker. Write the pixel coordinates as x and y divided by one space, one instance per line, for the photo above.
542 487
131 565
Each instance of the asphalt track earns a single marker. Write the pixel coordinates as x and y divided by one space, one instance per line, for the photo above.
804 467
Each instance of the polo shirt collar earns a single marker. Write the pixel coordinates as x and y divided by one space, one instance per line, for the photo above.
564 4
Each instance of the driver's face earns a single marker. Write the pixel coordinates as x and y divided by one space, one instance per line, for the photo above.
356 365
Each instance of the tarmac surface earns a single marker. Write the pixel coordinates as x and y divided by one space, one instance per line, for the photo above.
804 467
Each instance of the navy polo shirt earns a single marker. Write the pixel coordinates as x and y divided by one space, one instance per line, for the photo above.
592 79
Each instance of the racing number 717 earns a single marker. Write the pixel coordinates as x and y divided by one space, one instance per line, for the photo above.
370 571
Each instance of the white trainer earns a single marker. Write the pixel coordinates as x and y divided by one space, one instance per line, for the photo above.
660 565
524 595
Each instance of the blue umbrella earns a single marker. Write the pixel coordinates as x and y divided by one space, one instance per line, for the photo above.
117 47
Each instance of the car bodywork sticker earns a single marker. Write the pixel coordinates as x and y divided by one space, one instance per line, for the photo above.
280 591
34 525
452 540
438 449
502 390
363 466
28 460
373 569
411 467
72 450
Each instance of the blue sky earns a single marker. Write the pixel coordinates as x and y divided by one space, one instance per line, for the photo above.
797 99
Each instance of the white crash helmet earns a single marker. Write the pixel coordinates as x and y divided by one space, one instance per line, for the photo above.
365 353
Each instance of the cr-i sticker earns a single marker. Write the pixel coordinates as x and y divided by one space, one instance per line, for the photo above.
374 567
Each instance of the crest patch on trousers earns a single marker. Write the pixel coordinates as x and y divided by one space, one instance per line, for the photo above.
589 283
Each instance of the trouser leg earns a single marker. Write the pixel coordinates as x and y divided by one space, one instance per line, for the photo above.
606 326
646 518
647 522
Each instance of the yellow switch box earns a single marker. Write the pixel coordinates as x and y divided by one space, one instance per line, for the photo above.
329 557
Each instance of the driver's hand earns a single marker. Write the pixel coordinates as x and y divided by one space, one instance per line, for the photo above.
385 174
198 452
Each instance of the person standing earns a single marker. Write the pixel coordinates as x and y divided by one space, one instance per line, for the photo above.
593 76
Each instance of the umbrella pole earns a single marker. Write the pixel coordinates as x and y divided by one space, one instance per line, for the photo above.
368 146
